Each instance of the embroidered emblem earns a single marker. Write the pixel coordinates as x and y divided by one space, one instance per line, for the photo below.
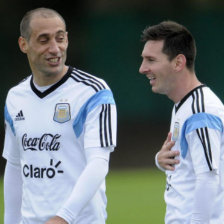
62 112
176 131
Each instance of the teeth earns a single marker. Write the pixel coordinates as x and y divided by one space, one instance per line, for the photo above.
53 59
151 77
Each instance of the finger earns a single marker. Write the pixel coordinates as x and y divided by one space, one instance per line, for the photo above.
171 153
165 155
170 167
168 138
167 146
172 161
169 162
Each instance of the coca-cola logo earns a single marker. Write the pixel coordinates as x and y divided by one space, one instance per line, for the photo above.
47 142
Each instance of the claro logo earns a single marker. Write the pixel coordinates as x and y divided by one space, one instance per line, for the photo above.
30 171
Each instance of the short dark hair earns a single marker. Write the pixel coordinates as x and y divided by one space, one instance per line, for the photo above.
25 30
177 40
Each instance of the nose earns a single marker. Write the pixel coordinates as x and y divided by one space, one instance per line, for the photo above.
143 68
53 47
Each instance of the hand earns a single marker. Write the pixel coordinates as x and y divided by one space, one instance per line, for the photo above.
166 157
56 220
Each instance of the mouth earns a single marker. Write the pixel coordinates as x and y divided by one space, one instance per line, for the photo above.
151 77
54 60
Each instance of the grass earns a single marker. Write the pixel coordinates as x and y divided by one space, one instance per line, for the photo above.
134 196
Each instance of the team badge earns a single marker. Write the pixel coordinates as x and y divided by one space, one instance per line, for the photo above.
176 131
62 112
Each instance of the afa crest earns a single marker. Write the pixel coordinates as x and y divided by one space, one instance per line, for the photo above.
62 112
176 131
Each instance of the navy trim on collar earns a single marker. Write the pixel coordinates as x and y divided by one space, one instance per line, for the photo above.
53 87
186 96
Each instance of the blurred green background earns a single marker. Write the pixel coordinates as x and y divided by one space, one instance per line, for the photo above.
135 196
104 39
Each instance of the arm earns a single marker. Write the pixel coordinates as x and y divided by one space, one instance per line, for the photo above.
203 139
97 158
12 193
12 176
165 158
87 185
205 192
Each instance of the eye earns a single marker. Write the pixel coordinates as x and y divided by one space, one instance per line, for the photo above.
43 40
60 38
150 59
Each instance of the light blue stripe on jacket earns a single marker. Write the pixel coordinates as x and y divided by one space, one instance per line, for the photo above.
9 119
102 97
197 121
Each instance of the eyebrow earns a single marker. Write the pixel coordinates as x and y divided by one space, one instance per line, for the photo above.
149 57
47 34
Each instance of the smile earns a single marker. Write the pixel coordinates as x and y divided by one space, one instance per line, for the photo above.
53 60
150 77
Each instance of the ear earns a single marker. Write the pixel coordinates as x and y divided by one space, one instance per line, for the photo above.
66 38
23 45
179 62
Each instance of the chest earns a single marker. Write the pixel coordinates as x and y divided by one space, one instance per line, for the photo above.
177 122
43 124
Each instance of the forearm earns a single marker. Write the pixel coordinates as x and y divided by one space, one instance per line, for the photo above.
85 189
12 194
205 192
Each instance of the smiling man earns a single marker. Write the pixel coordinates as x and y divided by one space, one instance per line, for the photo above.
60 131
45 41
193 154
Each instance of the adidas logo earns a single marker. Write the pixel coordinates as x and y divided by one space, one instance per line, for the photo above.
20 116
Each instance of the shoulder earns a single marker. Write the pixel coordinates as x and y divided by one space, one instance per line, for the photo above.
211 100
211 103
203 99
19 88
88 80
21 84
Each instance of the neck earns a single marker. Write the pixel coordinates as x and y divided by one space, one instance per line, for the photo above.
183 86
49 79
